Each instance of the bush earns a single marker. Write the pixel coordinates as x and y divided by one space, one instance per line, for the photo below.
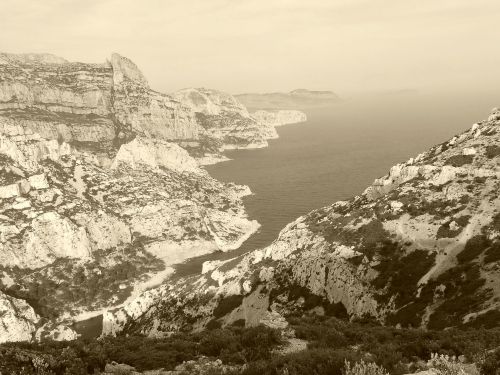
363 368
446 365
316 361
473 248
490 365
492 151
459 160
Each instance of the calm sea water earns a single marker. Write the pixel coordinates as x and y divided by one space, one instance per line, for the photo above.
337 153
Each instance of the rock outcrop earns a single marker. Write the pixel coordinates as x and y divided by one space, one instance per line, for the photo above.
18 319
280 117
421 247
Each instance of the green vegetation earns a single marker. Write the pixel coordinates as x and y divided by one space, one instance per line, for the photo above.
490 365
227 304
397 350
463 293
331 342
399 273
492 151
445 231
101 282
363 368
473 248
233 346
459 160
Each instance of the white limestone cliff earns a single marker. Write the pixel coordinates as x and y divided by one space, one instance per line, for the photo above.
101 189
18 319
279 117
155 154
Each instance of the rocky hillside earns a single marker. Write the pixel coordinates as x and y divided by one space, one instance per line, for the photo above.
101 189
420 247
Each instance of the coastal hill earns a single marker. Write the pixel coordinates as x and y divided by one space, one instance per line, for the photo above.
300 98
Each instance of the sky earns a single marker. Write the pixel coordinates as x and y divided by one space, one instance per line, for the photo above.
272 45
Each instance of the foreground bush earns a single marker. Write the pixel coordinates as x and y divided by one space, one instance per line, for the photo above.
331 342
490 364
446 365
234 345
307 362
363 368
396 349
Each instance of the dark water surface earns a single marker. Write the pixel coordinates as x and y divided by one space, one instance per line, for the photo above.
337 153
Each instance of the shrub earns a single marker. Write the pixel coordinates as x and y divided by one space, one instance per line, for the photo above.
459 160
317 362
490 365
493 253
446 365
473 248
492 151
227 304
363 368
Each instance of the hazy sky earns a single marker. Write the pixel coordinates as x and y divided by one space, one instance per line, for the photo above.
272 45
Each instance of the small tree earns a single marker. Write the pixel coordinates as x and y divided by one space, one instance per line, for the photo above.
364 368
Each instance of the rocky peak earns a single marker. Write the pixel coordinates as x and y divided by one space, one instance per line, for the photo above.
125 70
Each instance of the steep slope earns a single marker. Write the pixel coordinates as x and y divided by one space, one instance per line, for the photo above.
420 247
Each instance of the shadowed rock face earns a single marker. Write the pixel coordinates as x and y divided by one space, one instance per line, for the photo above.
420 247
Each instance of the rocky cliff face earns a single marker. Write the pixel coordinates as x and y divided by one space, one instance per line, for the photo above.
143 111
97 234
225 119
99 191
420 247
97 197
